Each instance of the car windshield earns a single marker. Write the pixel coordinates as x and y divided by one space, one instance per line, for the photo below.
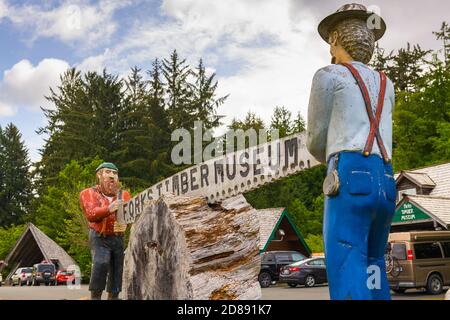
27 270
45 268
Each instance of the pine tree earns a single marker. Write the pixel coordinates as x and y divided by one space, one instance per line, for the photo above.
15 184
205 103
444 35
281 120
159 126
251 121
83 124
133 155
299 124
179 92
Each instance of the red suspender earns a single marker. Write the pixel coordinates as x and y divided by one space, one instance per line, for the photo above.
374 120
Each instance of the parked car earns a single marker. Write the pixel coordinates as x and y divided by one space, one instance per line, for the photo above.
63 276
21 276
272 262
308 272
44 273
420 259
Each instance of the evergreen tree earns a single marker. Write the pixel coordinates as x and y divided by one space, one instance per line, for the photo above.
15 183
422 118
179 92
251 121
159 125
281 120
83 124
444 35
205 103
133 153
299 124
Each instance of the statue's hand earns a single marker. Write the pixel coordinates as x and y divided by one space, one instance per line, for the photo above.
113 206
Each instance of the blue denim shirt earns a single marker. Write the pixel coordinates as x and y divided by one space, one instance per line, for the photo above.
337 117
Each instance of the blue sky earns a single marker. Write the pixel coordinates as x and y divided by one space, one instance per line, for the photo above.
264 52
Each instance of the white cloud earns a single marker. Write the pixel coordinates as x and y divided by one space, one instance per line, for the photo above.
268 49
72 22
25 85
7 110
3 9
94 63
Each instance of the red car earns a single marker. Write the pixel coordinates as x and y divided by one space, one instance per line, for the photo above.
63 276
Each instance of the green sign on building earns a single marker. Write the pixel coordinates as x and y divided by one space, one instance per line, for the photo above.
408 213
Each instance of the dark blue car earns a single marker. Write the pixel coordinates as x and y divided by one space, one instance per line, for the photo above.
308 272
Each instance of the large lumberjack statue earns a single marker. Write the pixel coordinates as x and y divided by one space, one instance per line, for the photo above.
350 108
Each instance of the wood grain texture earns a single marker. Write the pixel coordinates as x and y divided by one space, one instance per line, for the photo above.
183 248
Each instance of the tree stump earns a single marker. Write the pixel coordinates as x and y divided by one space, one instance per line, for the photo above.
183 248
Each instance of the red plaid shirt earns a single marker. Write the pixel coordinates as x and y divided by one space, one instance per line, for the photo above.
95 207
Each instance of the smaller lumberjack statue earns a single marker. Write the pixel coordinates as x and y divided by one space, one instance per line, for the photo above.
99 204
350 129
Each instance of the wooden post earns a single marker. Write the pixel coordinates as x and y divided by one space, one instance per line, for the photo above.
183 248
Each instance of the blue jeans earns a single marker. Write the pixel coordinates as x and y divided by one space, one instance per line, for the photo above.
356 227
107 262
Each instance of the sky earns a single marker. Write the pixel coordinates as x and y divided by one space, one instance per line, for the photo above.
264 52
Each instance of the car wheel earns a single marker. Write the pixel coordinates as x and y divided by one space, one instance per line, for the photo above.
292 285
399 290
434 284
310 281
265 279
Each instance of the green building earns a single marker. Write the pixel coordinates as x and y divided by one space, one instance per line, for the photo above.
423 199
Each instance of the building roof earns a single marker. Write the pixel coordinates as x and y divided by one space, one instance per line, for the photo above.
419 178
437 207
439 175
268 219
34 246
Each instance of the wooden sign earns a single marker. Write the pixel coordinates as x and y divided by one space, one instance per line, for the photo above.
229 175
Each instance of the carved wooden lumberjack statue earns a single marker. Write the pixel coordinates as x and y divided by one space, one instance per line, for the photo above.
350 128
99 204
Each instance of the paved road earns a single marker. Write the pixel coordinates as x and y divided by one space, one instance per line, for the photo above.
284 292
277 292
43 293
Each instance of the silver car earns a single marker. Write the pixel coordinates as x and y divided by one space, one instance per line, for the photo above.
22 276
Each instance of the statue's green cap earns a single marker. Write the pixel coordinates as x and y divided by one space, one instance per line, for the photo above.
108 165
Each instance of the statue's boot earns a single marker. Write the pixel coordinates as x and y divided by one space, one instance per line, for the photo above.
96 295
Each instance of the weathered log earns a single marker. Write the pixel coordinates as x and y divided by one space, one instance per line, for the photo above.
183 248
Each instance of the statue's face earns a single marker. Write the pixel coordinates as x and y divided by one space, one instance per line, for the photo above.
109 181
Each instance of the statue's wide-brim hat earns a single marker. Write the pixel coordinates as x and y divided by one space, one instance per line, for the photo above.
354 10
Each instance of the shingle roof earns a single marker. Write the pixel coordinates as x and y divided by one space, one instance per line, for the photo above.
33 240
50 248
438 174
268 219
420 178
439 207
